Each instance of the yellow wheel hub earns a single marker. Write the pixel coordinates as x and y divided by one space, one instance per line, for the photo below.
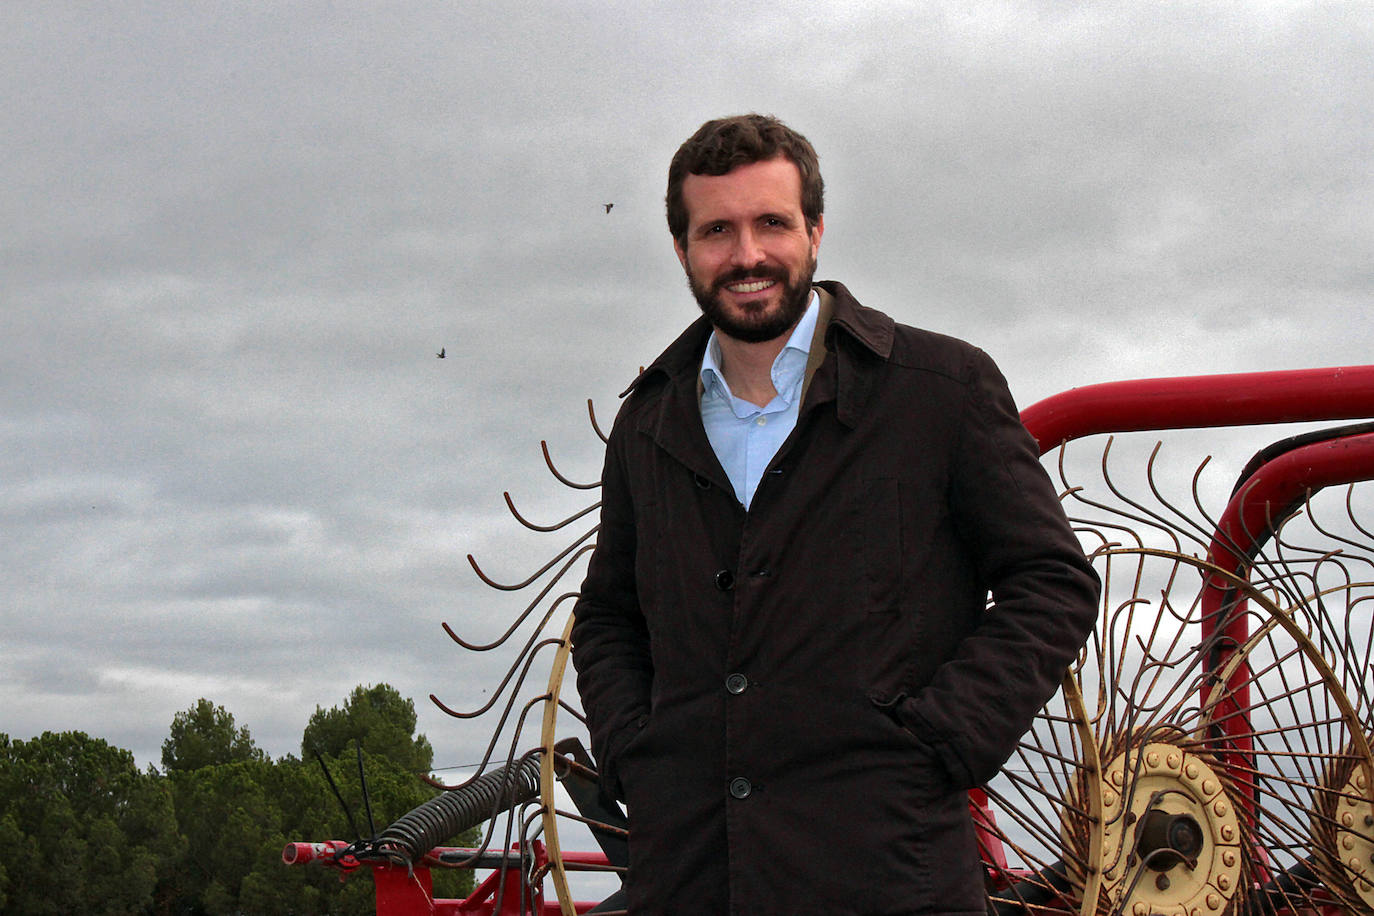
1171 836
1355 815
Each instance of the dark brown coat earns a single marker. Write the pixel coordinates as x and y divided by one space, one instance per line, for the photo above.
793 700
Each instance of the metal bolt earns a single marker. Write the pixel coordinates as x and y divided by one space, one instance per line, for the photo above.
1348 819
1369 820
1152 758
1208 787
1229 859
1174 761
1213 902
1162 882
1228 832
1348 842
1191 770
1220 808
1223 883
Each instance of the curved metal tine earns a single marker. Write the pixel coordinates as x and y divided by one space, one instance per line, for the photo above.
514 665
1150 649
1350 513
1078 495
1363 672
1083 529
496 806
1328 630
510 504
529 609
575 713
544 446
510 768
531 815
1100 526
1227 539
505 713
1285 565
1308 567
1148 516
596 427
1209 523
1201 534
1341 539
1184 665
487 835
1335 635
499 586
1106 644
1025 788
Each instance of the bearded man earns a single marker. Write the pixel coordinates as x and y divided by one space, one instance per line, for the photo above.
790 667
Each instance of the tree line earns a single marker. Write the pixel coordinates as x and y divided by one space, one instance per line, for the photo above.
86 831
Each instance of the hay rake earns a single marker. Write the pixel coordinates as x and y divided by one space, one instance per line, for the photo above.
1207 755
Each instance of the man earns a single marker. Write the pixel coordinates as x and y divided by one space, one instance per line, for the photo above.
783 643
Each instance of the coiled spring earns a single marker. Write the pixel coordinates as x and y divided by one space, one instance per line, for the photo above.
462 808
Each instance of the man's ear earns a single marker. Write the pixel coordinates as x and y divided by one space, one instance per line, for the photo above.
816 234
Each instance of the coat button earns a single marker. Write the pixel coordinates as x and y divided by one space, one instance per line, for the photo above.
725 580
740 787
737 684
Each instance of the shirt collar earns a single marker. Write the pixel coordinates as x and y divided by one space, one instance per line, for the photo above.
785 365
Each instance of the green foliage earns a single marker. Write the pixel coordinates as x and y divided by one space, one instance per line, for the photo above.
203 736
85 831
379 719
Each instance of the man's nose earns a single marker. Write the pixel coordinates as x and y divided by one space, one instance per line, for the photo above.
748 252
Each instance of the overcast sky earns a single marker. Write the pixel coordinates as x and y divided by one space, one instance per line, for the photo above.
235 235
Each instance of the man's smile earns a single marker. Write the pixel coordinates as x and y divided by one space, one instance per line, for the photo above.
750 286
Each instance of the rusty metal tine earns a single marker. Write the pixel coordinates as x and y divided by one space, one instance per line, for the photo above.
510 504
596 427
539 572
544 446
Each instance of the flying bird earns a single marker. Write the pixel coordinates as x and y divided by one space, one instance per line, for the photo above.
440 354
608 207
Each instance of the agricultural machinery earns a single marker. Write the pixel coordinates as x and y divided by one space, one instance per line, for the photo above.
1208 753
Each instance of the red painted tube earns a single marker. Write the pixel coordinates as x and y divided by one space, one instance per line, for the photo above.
1275 490
302 853
1242 399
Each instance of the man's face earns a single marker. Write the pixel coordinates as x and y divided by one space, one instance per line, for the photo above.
749 256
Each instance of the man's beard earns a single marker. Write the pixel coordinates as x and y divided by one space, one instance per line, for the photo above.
755 326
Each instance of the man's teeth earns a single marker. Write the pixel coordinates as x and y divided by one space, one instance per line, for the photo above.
752 287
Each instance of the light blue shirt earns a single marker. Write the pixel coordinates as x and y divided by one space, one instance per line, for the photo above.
745 437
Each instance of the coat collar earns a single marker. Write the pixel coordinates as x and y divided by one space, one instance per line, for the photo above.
856 341
841 314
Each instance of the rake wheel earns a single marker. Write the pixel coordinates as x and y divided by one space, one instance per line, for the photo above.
1220 757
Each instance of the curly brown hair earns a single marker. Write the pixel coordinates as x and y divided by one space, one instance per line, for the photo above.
723 144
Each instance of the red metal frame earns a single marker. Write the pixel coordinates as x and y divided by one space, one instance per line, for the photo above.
1194 402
